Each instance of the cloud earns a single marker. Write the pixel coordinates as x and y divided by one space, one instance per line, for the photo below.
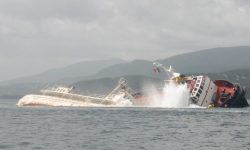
55 33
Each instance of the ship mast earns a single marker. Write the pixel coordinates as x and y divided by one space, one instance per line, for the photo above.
121 87
170 72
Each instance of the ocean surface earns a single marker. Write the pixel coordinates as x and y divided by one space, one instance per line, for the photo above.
67 128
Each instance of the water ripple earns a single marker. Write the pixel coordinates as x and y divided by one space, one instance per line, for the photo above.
123 128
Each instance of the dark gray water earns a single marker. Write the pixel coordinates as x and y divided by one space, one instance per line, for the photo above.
61 128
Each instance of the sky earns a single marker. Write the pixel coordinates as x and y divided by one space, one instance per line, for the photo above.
37 35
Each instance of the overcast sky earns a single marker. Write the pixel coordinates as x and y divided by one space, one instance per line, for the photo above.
36 35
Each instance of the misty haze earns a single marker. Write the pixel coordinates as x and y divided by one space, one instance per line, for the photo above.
124 74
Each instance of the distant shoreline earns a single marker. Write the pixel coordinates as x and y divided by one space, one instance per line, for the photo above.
11 96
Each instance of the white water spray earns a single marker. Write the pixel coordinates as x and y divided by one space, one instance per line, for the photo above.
171 96
119 100
175 96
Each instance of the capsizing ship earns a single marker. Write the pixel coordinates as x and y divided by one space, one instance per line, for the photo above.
209 93
66 96
204 92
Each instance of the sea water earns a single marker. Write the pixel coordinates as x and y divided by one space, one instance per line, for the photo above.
122 128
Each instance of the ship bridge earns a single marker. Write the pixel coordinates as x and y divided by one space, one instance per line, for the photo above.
204 91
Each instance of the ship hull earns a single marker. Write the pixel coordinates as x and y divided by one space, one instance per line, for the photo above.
238 101
47 100
235 95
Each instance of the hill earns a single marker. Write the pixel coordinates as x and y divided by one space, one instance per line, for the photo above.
211 60
136 67
204 61
15 91
89 87
105 85
85 68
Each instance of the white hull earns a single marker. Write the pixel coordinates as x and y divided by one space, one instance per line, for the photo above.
44 100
